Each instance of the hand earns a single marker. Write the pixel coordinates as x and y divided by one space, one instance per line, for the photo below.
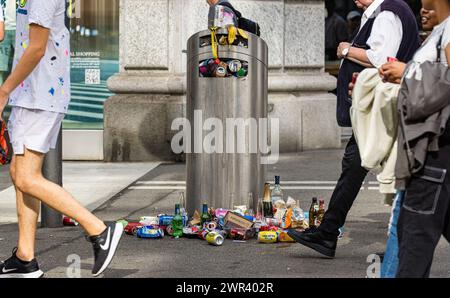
392 72
342 46
3 102
351 86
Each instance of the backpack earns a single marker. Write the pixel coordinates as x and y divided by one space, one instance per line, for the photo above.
243 23
4 150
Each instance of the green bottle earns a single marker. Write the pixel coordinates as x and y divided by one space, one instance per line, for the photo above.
205 217
177 222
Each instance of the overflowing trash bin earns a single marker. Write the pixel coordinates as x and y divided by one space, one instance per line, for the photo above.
227 79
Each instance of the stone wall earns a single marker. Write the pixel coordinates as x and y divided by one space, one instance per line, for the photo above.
150 88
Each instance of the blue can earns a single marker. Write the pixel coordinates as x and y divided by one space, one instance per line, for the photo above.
165 220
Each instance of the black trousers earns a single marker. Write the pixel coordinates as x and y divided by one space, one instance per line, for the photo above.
425 213
346 190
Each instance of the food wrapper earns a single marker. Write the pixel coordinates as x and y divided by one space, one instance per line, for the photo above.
287 219
280 214
195 219
284 237
280 204
291 203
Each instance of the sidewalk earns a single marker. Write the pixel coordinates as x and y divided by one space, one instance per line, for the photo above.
305 175
91 183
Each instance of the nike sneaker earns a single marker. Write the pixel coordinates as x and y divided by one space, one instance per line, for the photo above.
16 268
105 246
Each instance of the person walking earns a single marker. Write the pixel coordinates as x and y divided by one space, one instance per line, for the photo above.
39 93
392 72
425 213
388 29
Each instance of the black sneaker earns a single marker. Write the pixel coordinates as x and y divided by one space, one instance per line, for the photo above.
15 268
316 241
105 246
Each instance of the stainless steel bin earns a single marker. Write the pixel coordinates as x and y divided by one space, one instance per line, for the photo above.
224 180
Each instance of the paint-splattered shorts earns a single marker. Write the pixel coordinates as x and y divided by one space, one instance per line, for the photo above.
35 130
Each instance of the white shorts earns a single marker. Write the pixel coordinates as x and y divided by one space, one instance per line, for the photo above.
35 130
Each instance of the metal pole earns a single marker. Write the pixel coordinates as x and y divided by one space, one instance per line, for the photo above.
52 170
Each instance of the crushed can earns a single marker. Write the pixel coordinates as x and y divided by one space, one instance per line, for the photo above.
149 220
214 238
268 237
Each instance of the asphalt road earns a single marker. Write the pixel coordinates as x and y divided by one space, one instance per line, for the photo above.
365 233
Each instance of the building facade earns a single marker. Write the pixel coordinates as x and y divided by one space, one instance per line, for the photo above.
129 73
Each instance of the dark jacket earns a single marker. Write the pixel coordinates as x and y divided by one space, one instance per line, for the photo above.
409 45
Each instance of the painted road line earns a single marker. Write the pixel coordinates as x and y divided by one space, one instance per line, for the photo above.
168 182
157 187
160 182
169 187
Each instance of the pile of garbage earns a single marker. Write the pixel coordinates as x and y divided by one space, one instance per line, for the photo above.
270 223
223 68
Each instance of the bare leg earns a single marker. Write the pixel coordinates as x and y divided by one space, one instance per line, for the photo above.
27 213
29 180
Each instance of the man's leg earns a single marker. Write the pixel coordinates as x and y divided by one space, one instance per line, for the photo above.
324 239
346 190
27 214
29 180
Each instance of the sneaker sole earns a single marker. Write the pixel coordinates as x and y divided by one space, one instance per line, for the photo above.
118 232
329 253
36 274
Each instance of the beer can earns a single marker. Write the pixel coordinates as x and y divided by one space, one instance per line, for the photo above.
67 221
268 237
165 220
234 65
211 226
215 238
149 220
220 72
203 234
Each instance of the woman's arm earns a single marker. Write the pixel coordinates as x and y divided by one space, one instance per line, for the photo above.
447 54
2 31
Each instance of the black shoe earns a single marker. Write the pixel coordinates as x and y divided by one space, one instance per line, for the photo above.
15 268
316 241
105 246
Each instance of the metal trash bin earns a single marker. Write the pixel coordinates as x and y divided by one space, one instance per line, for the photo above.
224 180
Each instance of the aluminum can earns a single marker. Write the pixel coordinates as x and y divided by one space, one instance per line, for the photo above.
234 65
67 221
268 237
215 238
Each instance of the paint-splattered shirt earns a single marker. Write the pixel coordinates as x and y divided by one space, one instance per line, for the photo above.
48 86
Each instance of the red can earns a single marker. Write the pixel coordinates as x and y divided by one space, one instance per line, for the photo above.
67 221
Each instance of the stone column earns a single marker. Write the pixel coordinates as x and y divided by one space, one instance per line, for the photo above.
150 88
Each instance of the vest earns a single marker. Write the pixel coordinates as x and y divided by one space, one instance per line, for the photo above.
409 45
